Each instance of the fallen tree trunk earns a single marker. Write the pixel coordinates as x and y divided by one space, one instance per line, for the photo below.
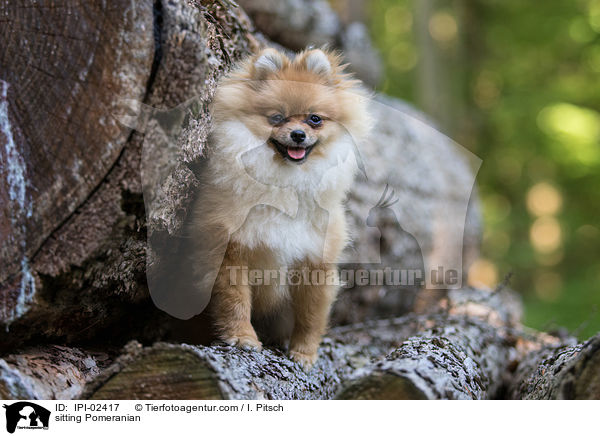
569 372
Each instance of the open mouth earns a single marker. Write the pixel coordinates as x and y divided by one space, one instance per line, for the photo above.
294 154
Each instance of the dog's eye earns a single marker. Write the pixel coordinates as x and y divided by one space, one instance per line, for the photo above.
276 119
314 120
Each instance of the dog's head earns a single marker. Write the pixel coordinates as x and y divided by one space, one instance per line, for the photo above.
304 110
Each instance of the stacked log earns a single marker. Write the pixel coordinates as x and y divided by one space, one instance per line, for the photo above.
567 372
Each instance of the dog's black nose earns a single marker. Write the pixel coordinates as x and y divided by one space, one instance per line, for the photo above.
298 136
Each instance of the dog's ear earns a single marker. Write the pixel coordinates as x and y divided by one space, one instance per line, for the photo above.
316 61
268 62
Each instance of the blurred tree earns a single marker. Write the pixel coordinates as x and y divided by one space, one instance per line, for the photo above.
518 84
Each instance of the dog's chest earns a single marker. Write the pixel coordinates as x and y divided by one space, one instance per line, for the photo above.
290 239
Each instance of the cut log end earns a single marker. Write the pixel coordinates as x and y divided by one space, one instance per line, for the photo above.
163 373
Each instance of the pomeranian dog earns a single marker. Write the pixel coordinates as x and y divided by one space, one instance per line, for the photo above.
281 158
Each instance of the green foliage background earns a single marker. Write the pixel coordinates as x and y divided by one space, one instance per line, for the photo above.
519 85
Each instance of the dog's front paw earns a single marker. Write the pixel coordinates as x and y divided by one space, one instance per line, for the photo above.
305 360
244 342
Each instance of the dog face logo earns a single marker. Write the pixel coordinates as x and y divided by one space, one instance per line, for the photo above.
26 415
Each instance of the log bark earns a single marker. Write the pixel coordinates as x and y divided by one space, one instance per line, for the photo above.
302 23
457 358
568 372
465 353
294 24
49 373
462 354
179 371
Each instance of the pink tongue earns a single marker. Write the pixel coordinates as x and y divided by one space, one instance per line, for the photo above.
296 153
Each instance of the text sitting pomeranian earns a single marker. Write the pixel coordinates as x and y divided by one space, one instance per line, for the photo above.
291 127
